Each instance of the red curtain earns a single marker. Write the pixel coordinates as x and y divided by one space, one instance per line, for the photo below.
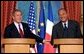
6 9
74 9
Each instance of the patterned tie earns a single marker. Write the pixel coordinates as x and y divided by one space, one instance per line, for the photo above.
65 31
20 31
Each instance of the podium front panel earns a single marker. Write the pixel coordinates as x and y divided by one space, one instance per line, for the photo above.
17 48
17 45
71 48
69 45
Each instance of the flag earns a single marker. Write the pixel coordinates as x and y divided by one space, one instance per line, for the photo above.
48 48
32 23
41 26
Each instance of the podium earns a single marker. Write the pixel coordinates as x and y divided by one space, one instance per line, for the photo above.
18 45
69 45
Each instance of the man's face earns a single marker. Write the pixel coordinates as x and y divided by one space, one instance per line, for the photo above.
63 15
17 17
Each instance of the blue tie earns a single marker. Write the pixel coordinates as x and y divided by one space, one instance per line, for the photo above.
65 33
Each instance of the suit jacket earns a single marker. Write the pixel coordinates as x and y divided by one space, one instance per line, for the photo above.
73 30
12 32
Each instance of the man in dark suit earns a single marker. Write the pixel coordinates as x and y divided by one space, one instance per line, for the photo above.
65 28
18 29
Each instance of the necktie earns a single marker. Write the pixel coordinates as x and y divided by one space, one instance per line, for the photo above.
65 26
65 31
20 31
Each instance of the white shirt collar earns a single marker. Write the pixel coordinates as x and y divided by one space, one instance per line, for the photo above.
16 24
66 24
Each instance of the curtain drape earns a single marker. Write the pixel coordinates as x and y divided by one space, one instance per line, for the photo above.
74 9
6 10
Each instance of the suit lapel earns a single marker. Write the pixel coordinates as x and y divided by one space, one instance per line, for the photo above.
15 31
69 25
61 29
24 29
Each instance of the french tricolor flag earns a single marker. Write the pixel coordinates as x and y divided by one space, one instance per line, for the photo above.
48 48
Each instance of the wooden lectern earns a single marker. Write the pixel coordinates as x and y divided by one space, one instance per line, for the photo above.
66 45
17 45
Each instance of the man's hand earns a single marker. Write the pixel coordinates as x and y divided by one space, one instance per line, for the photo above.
46 41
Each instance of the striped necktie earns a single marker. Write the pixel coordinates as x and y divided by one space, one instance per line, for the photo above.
21 32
